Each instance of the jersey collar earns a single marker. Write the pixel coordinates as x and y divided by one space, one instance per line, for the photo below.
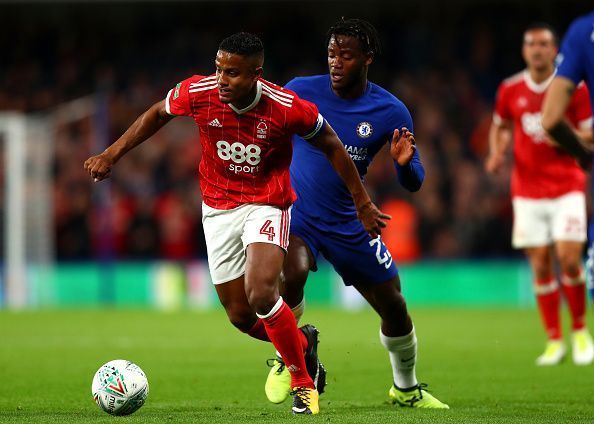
336 96
252 104
538 88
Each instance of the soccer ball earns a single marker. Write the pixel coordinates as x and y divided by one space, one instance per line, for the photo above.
120 387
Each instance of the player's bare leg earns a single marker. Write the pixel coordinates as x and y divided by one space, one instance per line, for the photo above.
397 334
548 298
240 313
253 305
573 285
264 263
295 270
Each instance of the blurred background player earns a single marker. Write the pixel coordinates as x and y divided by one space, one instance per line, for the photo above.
576 64
246 124
366 117
547 190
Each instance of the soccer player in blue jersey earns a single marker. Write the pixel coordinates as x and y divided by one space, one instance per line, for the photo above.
576 64
324 219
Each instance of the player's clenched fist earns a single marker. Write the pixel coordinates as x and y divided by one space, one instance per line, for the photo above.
372 218
99 167
402 147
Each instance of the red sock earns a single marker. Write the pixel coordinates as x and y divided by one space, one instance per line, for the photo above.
258 331
285 336
574 290
548 299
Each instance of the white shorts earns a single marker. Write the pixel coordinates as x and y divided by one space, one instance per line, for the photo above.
540 222
229 232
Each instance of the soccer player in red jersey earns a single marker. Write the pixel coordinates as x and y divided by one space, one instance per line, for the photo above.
547 187
246 124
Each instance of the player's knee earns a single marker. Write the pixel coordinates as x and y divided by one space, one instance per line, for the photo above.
395 309
262 298
570 262
391 303
293 279
541 269
241 318
570 266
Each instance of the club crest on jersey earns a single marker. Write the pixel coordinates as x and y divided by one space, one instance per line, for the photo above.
364 129
176 92
262 130
522 102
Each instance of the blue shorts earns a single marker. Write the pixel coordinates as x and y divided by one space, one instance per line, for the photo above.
356 257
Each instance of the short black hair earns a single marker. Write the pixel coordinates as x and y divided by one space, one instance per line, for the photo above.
537 26
243 44
359 29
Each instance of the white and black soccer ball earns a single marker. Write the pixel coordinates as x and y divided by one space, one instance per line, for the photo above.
120 387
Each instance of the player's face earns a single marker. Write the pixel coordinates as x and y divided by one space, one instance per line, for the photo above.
236 77
347 63
539 49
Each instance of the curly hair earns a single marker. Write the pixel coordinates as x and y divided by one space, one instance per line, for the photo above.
359 29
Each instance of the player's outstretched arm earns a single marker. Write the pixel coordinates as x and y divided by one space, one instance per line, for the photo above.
409 168
371 217
99 167
553 111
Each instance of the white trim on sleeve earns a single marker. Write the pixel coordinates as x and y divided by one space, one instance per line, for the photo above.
316 130
498 121
586 124
167 107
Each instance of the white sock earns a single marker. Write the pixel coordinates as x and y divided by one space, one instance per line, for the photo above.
298 310
403 357
274 310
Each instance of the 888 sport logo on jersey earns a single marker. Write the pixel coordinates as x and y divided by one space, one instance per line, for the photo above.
244 158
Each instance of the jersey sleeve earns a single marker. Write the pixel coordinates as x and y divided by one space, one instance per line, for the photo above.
304 119
502 112
570 60
401 118
177 102
293 85
579 111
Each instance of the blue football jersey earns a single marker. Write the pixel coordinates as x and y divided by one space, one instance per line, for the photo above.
576 62
576 57
364 125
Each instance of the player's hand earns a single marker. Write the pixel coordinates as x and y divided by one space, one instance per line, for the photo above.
99 167
494 163
402 147
372 218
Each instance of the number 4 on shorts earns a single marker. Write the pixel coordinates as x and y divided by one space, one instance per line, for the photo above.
268 230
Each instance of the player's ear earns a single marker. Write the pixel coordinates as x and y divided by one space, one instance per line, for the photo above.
258 72
369 59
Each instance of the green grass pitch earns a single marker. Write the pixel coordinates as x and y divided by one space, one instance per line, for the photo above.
201 370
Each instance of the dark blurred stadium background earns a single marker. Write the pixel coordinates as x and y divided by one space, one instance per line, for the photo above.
138 239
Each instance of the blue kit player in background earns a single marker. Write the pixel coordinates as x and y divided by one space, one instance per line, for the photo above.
575 64
324 219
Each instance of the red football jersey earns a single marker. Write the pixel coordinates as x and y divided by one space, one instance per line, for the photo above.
540 170
245 153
